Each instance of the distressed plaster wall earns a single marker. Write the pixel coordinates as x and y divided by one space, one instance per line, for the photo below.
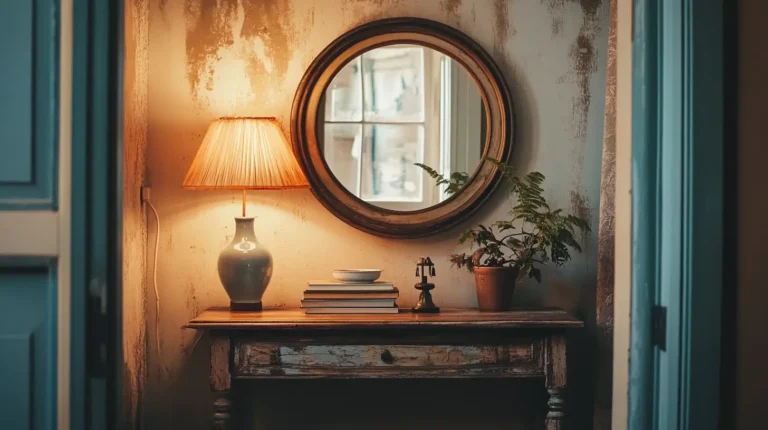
606 240
213 58
135 78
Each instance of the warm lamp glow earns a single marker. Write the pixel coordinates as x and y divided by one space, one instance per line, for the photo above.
245 154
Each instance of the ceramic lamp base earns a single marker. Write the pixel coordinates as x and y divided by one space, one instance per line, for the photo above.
245 268
244 306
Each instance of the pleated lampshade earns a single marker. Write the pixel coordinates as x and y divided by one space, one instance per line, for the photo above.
245 154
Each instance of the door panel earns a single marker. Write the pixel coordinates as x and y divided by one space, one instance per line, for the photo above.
16 359
29 108
16 28
27 345
29 237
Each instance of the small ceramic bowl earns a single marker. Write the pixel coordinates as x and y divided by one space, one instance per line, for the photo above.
357 275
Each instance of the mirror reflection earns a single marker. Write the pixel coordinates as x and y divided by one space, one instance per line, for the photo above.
393 107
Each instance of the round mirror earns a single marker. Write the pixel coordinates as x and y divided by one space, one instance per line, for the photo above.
393 123
396 113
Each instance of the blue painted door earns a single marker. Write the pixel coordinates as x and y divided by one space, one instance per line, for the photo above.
29 293
677 199
59 214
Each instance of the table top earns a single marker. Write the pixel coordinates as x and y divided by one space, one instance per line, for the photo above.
284 318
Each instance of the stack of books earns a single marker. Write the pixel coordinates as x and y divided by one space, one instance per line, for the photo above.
328 297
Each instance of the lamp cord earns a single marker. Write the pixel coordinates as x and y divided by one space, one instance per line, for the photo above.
154 284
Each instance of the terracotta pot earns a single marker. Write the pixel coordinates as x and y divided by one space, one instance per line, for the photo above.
495 286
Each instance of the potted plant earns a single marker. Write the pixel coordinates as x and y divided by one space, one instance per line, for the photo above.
512 249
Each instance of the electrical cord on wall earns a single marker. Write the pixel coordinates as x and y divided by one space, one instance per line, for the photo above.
145 198
154 277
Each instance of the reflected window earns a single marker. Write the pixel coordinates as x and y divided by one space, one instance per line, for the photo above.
390 108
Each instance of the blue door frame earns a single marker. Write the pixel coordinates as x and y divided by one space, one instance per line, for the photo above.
96 349
677 212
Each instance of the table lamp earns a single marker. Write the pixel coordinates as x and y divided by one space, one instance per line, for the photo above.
245 154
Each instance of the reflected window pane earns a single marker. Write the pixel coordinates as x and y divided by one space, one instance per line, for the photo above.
344 96
393 81
342 147
389 152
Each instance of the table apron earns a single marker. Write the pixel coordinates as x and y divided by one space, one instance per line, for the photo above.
252 359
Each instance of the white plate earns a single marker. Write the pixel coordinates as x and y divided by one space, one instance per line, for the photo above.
357 275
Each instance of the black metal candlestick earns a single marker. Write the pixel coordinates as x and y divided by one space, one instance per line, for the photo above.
425 267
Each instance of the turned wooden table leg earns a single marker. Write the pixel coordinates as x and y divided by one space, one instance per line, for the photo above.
221 383
556 380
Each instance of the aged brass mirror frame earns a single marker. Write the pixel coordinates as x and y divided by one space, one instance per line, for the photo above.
365 216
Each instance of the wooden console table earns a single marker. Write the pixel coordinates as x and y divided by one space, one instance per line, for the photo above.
286 343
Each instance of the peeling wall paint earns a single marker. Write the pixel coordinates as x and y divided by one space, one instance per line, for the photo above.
135 78
503 26
451 7
246 57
